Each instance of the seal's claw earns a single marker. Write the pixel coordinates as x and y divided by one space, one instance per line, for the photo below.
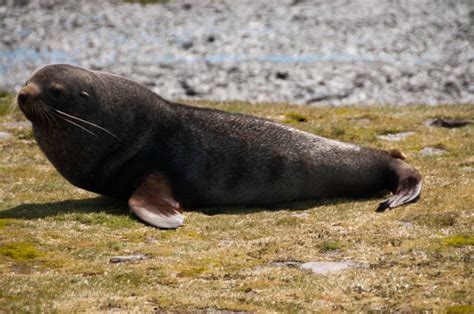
382 206
154 204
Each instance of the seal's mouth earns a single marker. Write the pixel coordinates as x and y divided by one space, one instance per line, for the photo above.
28 101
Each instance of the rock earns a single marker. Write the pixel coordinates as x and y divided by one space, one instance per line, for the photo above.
430 151
448 123
4 135
452 88
394 137
188 90
187 44
281 75
330 267
128 258
211 38
292 264
275 48
300 215
328 95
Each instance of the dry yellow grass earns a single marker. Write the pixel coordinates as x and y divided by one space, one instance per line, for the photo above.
56 240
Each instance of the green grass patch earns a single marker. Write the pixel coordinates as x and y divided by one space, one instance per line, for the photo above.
20 251
459 241
6 222
327 246
460 309
292 117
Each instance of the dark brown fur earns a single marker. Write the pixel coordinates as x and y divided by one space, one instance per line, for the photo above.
210 157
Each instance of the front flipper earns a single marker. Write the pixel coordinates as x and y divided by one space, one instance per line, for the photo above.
153 203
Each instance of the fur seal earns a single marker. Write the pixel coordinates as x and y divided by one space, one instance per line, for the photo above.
110 135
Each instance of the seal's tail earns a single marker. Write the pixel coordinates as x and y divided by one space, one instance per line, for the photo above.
408 187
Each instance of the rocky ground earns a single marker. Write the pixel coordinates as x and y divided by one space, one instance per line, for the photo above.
307 52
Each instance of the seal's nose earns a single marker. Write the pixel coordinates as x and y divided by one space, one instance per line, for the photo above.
27 93
22 97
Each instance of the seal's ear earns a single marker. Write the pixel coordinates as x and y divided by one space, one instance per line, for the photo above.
398 154
153 203
84 94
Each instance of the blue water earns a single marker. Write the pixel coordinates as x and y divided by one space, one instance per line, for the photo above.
24 54
31 56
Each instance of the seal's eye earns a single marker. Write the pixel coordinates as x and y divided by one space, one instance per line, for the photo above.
56 90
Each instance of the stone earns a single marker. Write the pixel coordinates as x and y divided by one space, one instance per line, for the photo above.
448 123
323 268
4 135
395 137
128 258
430 151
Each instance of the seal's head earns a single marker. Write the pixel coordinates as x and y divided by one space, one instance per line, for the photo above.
72 123
53 89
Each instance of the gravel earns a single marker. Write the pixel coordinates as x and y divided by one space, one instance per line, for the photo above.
307 52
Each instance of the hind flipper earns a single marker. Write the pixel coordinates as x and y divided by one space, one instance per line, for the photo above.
400 199
153 203
408 189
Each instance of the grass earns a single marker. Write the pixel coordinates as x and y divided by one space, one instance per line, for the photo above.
56 240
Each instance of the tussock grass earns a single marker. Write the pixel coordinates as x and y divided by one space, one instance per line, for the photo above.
56 240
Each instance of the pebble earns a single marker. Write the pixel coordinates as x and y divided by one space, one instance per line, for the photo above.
322 268
300 215
128 258
430 151
448 123
4 136
394 137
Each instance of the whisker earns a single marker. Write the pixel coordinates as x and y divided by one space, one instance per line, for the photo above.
78 125
35 110
41 113
90 123
49 113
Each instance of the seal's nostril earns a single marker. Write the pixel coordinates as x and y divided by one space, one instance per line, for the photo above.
22 97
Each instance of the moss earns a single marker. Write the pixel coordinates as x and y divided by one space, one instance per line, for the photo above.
459 241
20 251
294 117
129 278
104 219
330 246
438 220
389 130
6 222
460 309
191 271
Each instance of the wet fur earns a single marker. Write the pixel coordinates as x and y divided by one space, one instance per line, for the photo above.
209 156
